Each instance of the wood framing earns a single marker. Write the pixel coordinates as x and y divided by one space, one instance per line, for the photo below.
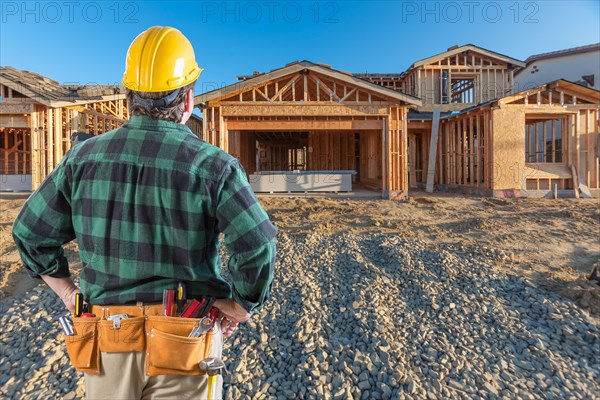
514 146
311 117
38 117
454 80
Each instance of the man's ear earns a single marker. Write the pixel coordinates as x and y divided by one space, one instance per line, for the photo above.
189 101
188 106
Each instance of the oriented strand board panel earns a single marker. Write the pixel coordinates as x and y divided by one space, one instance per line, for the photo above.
509 148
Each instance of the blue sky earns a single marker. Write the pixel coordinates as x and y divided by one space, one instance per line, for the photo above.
86 41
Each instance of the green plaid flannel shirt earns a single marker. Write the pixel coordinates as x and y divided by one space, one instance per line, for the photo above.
146 203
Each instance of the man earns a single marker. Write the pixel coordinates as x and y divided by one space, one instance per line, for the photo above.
146 203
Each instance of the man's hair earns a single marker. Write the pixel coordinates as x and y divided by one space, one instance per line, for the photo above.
172 112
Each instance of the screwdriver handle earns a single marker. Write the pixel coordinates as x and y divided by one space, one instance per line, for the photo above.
78 305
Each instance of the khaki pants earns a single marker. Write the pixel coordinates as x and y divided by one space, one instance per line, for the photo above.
123 377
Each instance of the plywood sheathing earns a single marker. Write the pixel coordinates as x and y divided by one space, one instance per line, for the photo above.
502 152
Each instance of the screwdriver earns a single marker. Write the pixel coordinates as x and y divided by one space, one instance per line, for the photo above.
78 305
180 297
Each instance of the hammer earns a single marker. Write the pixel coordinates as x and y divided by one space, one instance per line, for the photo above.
213 367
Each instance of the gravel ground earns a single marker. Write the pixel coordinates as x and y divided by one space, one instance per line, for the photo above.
372 316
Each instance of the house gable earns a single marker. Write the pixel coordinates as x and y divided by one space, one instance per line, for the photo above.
306 82
559 92
469 56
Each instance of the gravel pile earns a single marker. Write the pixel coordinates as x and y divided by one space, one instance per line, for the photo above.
383 317
34 362
362 317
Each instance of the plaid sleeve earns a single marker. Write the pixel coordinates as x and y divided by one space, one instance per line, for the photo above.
44 225
249 237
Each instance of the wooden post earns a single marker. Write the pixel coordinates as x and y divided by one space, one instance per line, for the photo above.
432 149
412 162
575 181
464 150
213 131
471 151
305 88
404 146
384 157
478 155
58 136
49 139
204 127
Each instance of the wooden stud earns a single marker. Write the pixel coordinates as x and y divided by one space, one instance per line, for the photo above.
536 141
576 128
318 91
49 138
471 151
305 88
58 136
433 149
553 157
478 151
213 130
204 127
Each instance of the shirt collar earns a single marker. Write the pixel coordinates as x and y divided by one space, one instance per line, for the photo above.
149 123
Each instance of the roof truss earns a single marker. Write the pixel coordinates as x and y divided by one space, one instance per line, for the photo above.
558 92
468 55
306 82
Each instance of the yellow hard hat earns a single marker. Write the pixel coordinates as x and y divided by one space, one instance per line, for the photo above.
160 59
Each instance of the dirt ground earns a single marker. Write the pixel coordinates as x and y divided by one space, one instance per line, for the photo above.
553 242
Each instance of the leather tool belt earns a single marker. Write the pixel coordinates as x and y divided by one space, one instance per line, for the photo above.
169 349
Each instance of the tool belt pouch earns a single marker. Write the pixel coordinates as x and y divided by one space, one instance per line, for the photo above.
127 336
169 349
83 345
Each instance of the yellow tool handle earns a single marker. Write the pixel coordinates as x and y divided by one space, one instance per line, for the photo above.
211 386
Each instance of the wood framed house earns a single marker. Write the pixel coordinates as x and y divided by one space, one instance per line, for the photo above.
453 121
308 127
38 117
491 140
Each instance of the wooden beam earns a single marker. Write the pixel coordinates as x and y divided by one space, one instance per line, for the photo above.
347 95
432 150
49 138
58 136
305 88
304 125
283 90
294 109
471 152
264 95
412 181
332 96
